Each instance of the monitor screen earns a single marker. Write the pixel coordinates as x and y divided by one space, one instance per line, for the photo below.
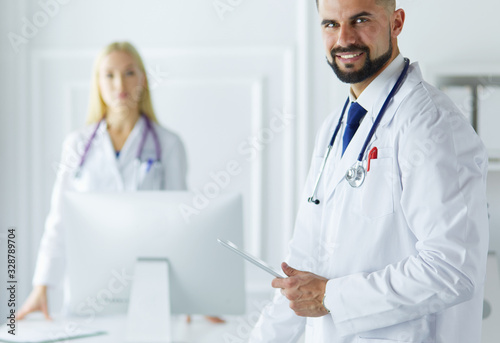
107 232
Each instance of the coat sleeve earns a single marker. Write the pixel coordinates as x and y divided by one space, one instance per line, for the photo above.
279 323
50 264
443 202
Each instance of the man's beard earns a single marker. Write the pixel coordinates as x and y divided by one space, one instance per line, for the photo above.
370 68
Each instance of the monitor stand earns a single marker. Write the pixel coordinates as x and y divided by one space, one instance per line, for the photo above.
149 307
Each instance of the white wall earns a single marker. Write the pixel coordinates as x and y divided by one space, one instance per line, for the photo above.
458 37
222 77
13 141
450 31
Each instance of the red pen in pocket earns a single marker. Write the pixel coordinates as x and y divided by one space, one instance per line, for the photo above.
372 155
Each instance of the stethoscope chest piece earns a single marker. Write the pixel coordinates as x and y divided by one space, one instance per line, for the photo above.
356 175
78 173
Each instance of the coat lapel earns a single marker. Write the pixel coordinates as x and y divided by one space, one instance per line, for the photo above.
413 78
110 156
129 150
335 171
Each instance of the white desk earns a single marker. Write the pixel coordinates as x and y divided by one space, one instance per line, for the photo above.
236 329
198 331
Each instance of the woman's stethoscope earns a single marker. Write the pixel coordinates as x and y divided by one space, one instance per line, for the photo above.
355 175
149 164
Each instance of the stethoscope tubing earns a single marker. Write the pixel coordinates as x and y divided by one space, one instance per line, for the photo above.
394 89
339 124
328 150
149 128
89 143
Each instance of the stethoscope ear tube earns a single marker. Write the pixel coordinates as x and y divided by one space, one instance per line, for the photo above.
311 198
314 201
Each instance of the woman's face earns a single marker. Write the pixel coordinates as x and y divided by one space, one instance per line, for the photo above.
121 81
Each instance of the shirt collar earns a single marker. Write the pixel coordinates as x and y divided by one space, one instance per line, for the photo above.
378 87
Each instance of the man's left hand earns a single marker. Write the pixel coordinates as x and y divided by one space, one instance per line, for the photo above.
304 290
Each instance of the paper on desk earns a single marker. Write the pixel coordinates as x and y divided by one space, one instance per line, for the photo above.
43 331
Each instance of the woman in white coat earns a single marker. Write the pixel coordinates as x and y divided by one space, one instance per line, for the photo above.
118 151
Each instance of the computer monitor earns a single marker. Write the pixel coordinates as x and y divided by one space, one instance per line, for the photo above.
107 232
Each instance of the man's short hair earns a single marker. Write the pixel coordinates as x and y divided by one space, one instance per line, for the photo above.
389 4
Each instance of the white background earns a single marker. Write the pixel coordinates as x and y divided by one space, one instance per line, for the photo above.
218 80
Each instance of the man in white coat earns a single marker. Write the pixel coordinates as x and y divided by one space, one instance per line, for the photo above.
402 257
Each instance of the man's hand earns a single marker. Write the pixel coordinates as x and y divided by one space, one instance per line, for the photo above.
304 290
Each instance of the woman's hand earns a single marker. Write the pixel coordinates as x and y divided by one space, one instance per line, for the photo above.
211 319
37 301
215 320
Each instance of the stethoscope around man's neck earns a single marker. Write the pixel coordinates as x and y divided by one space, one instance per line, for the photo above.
355 175
149 128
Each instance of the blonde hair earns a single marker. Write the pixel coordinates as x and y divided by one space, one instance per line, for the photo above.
97 106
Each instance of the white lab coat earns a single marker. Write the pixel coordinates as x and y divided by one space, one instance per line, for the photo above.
406 252
103 171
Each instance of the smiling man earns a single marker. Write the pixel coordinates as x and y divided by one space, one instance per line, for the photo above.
391 237
359 45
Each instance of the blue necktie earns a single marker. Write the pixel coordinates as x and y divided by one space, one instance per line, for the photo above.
354 116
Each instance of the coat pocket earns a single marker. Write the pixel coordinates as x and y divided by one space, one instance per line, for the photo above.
377 198
420 330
